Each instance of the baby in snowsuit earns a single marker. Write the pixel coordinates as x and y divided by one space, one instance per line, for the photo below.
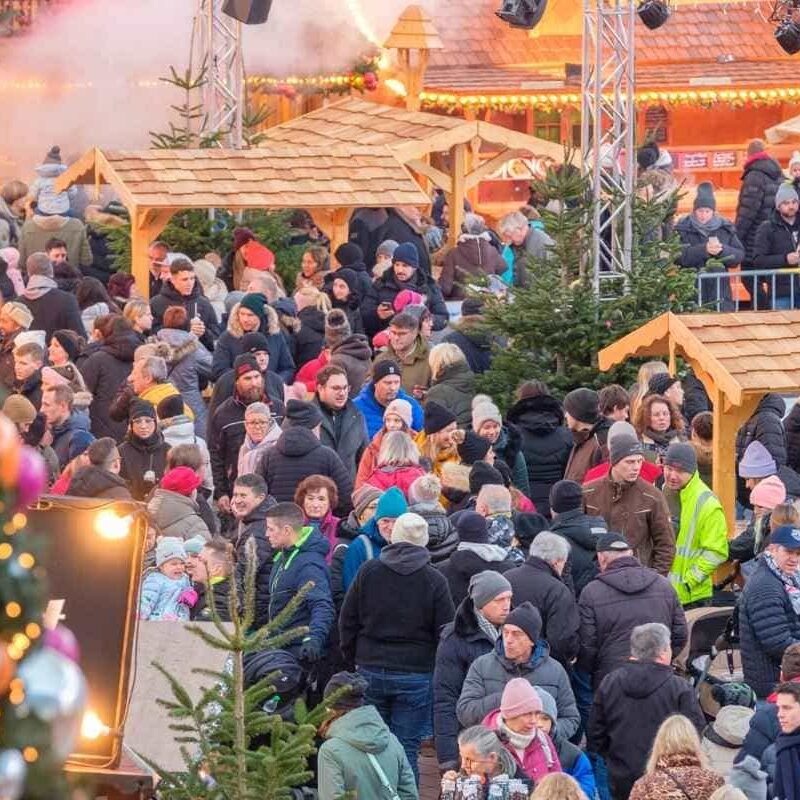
167 592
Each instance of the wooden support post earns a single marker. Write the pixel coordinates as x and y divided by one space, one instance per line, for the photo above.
340 219
146 225
458 158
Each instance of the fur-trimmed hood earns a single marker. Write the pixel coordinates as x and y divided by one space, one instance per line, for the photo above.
235 329
180 344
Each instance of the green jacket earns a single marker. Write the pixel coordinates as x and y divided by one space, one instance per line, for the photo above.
702 542
344 765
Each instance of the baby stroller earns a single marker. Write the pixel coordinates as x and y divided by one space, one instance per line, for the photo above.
711 660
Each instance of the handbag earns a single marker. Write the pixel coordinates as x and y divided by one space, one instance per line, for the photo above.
680 786
391 792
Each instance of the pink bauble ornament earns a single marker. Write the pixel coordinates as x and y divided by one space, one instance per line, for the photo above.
32 479
370 81
62 640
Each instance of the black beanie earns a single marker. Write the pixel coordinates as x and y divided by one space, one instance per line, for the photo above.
583 405
300 414
70 343
348 254
471 527
473 448
483 474
141 408
255 342
437 417
527 526
355 697
527 617
565 496
660 383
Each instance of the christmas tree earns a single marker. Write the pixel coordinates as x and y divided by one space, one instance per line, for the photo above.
231 745
553 329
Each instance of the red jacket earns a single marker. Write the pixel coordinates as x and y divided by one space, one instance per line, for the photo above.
650 472
401 477
307 374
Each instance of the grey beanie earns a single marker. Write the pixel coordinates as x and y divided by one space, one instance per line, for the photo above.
705 197
786 192
485 586
683 456
619 428
386 248
549 705
622 446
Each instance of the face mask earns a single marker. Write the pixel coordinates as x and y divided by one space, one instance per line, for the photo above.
579 437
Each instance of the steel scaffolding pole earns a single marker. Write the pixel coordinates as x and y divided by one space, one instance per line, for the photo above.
608 124
219 47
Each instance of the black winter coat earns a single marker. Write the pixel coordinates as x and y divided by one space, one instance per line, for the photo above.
307 343
387 287
397 229
373 634
222 592
538 583
139 457
54 311
765 426
581 531
345 432
91 481
775 239
629 707
694 240
475 345
224 438
31 388
614 603
767 626
764 730
792 427
760 180
298 454
462 641
546 444
229 346
462 565
195 304
106 369
254 527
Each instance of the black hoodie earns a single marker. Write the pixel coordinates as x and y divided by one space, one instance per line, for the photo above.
144 462
373 633
307 343
629 706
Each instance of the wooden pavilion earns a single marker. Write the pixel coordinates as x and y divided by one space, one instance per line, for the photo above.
327 181
738 357
418 139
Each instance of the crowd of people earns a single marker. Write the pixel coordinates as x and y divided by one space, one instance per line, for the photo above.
508 589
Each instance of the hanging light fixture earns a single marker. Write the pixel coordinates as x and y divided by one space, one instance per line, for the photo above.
522 13
653 13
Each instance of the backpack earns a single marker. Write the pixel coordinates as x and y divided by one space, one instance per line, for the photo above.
257 256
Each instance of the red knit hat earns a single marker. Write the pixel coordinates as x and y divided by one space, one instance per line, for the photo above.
181 480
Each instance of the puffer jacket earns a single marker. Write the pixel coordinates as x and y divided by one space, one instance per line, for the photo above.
792 427
761 178
508 448
91 481
195 305
62 435
400 229
354 356
640 513
625 595
373 411
442 536
188 362
488 675
104 371
689 776
454 389
308 342
694 240
473 256
462 641
581 531
767 626
176 515
765 426
546 444
387 287
344 766
253 527
297 454
160 595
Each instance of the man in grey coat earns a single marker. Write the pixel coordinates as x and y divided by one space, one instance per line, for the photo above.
519 653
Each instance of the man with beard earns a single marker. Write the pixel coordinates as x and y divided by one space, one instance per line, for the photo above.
226 427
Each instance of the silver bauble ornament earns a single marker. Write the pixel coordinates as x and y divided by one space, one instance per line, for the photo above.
12 774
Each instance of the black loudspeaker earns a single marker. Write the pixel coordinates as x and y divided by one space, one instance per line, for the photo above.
92 552
251 12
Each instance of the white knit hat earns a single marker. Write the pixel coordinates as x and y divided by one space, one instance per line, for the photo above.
483 410
410 528
400 408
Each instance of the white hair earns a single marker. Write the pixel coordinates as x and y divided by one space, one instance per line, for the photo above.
550 547
496 498
649 641
512 221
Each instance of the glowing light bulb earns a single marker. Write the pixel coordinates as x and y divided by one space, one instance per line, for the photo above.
111 526
92 726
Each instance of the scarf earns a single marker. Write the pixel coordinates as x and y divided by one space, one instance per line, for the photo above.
707 228
488 552
490 630
521 742
38 285
787 766
790 582
663 438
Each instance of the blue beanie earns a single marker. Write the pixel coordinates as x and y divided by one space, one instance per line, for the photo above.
79 443
407 253
392 504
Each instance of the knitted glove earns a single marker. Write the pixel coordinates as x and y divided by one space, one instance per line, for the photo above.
188 597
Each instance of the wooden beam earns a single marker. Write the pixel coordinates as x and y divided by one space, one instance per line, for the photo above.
340 219
458 156
439 178
474 177
146 225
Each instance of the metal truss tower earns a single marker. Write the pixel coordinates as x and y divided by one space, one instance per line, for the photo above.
608 123
218 40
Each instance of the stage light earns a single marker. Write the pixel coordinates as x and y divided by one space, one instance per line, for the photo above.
92 726
522 13
112 526
788 35
653 13
396 86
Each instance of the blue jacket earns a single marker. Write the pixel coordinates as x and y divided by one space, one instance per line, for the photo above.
768 625
357 554
159 597
764 730
373 411
575 763
291 570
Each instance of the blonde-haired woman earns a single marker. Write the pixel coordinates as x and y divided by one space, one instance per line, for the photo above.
676 769
558 786
646 371
397 463
312 309
138 313
452 381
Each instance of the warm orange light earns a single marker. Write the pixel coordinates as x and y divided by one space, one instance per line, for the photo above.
13 609
111 526
92 726
396 86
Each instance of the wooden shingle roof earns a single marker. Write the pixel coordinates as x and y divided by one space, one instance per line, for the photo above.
414 30
408 134
747 353
272 176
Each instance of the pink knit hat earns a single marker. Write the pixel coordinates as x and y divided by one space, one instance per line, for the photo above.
519 697
408 298
769 493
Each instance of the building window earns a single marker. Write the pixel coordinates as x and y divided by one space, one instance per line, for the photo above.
547 125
